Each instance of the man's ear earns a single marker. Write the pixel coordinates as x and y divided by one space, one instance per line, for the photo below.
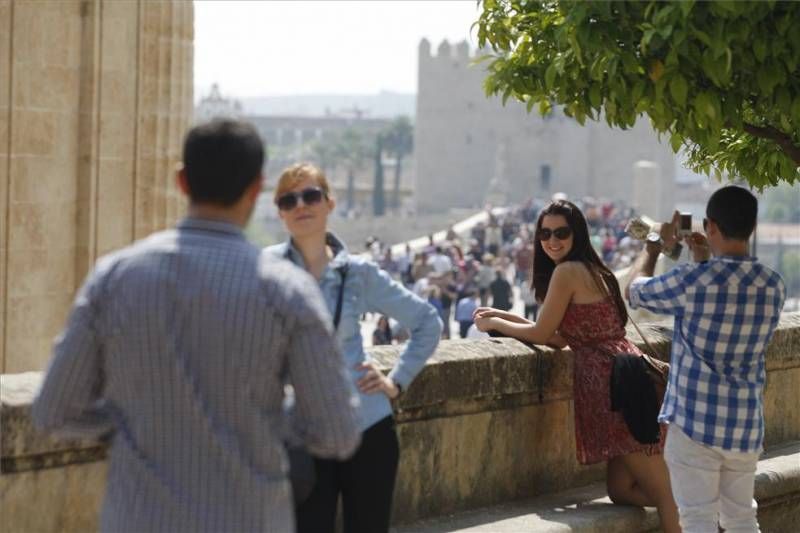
711 228
180 179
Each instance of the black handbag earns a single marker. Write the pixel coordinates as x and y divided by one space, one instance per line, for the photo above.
637 387
302 470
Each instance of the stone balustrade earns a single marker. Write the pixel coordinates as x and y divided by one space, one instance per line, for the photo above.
486 422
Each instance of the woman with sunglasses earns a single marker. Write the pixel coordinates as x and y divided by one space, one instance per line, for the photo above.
581 305
351 286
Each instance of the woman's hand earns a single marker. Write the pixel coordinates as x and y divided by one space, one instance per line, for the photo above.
491 312
486 311
373 381
485 323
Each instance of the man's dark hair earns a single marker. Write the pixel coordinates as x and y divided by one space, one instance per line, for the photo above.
222 158
734 210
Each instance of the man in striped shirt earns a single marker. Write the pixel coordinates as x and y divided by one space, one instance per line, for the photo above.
179 347
725 310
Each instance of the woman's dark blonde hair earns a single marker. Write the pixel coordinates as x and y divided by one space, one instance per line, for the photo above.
298 172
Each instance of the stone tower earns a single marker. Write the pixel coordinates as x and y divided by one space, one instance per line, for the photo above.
95 96
458 132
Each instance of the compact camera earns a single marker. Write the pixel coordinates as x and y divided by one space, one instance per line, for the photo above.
685 225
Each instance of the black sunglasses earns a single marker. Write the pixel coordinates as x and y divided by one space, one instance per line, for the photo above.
563 233
310 196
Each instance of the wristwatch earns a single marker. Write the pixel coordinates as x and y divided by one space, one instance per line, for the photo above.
654 238
673 253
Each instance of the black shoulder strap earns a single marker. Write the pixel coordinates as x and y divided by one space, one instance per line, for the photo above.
342 270
338 316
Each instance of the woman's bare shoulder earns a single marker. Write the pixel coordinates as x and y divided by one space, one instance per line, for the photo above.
573 269
579 276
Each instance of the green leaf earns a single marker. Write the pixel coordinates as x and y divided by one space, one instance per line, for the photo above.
676 141
760 49
544 107
783 99
679 89
637 92
597 70
594 96
629 63
647 36
506 95
550 76
795 109
703 36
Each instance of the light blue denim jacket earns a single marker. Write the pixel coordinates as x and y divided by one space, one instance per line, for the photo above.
368 288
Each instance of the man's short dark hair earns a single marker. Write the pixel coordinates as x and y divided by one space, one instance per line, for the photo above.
734 210
222 158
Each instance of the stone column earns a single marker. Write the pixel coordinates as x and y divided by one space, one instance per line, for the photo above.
647 189
95 96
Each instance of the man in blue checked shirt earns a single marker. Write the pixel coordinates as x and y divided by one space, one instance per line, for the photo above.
726 309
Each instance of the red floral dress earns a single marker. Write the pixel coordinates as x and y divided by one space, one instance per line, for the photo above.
594 332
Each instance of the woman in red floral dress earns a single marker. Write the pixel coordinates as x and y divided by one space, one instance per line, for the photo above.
583 307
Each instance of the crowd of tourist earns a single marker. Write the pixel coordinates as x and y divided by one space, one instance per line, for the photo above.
482 266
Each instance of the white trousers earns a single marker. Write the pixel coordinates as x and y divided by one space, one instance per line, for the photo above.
711 486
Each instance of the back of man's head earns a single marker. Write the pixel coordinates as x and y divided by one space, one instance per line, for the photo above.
221 159
734 210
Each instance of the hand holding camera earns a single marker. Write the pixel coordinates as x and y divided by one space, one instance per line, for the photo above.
698 244
666 238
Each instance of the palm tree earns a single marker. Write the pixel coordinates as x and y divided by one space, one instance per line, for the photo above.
352 150
324 154
399 137
378 200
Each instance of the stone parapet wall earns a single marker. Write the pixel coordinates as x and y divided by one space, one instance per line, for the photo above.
486 421
95 96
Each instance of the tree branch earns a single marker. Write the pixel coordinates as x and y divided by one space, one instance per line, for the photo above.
781 139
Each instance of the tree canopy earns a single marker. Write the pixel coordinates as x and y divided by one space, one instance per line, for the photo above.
719 79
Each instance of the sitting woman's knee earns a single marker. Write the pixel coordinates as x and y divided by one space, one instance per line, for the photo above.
617 491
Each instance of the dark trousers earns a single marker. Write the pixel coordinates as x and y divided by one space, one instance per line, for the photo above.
464 326
365 481
446 322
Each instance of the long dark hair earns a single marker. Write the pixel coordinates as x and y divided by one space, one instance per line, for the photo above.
581 251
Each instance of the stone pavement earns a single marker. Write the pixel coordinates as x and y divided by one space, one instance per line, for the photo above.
588 509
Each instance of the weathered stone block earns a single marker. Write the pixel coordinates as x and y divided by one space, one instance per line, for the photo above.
27 225
67 490
33 132
28 269
60 224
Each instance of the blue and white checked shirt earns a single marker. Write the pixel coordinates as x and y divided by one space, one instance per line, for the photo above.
725 312
180 344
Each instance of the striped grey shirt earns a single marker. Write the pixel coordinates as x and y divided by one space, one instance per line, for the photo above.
180 345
